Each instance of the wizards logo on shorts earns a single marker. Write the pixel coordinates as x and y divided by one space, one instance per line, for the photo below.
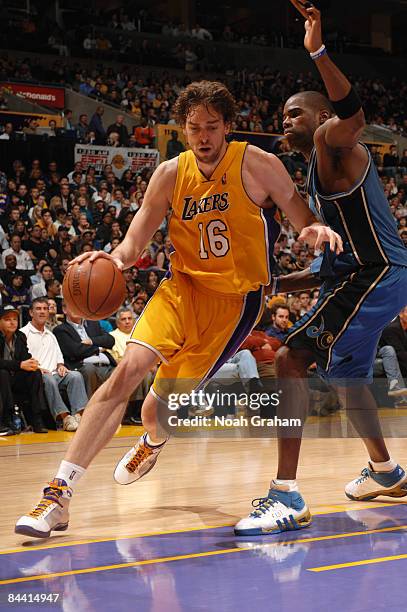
324 338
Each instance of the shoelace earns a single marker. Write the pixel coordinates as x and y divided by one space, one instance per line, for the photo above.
142 453
364 475
264 504
51 496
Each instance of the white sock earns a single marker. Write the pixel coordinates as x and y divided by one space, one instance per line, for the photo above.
151 443
70 472
284 485
383 466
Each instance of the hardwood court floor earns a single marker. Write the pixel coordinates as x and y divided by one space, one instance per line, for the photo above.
196 483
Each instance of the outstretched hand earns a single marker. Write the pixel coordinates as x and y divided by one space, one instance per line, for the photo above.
92 255
313 31
318 235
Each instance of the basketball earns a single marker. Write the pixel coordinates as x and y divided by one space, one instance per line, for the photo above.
94 290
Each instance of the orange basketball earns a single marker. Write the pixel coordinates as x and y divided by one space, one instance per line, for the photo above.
94 290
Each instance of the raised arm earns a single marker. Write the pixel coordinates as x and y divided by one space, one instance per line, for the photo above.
344 130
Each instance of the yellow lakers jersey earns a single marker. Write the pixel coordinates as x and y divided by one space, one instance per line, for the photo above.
221 238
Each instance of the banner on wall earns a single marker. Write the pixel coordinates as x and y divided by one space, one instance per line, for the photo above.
54 97
21 120
121 158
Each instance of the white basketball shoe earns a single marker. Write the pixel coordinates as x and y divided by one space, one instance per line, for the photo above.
137 462
50 514
279 511
371 484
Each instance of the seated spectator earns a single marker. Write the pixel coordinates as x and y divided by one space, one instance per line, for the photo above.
305 301
174 146
11 270
391 366
263 349
284 265
137 305
242 366
391 162
24 261
395 335
125 323
280 317
19 372
144 135
119 127
46 273
85 348
163 255
145 260
53 292
54 319
294 305
45 348
16 293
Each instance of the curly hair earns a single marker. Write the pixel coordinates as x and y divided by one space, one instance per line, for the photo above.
206 93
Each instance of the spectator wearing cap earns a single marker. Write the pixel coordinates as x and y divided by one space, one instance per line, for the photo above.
24 261
20 375
45 348
85 348
284 265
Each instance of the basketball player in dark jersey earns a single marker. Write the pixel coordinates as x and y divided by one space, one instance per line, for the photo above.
363 289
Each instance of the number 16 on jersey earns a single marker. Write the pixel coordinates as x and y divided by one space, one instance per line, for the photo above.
212 239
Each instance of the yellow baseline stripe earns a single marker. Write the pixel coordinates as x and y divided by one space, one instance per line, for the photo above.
327 568
211 553
327 510
52 437
104 568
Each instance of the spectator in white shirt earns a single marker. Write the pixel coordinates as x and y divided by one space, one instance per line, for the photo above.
24 261
3 240
200 33
44 347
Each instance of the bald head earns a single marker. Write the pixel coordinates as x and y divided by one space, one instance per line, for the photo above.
303 114
313 100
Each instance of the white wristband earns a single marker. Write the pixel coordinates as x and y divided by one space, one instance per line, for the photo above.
321 51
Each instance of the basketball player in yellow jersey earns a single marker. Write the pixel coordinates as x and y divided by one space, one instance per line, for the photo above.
224 200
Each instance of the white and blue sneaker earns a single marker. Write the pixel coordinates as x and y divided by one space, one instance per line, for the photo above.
371 484
279 511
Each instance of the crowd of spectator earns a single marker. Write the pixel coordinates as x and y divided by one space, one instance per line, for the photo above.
149 98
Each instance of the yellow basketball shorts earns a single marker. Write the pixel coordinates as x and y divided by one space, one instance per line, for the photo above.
193 331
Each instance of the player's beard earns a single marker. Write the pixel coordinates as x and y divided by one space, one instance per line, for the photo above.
301 141
211 157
